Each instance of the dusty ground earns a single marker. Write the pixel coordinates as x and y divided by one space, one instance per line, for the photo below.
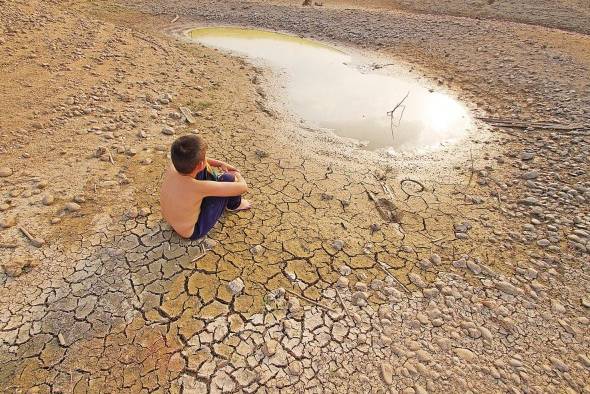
495 260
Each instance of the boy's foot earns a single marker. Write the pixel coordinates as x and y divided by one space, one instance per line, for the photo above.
244 206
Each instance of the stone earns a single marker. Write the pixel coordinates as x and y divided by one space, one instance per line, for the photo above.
530 175
435 259
338 244
507 288
557 307
5 172
48 199
295 368
387 373
18 265
72 207
270 347
167 130
236 286
559 364
8 221
417 280
465 354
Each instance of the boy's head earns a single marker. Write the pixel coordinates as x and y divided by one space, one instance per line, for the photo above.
188 153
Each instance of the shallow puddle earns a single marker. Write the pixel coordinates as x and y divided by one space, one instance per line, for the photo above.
326 88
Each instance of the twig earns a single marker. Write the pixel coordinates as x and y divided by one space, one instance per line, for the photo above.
175 19
390 113
311 301
37 242
111 158
8 246
343 305
382 266
401 185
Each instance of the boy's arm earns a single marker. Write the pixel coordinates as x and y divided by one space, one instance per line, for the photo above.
223 189
221 164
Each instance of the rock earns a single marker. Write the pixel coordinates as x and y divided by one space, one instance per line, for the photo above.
295 368
465 354
338 244
144 211
530 175
345 270
342 282
256 250
79 199
5 172
417 280
387 373
525 156
559 364
270 347
8 221
48 199
167 130
557 307
508 288
585 302
435 259
359 298
17 266
236 286
72 207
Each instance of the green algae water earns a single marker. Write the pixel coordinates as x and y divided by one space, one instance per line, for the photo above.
324 87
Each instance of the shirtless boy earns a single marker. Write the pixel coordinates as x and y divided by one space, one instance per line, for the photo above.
193 196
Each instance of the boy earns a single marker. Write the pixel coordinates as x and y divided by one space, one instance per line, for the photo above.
192 196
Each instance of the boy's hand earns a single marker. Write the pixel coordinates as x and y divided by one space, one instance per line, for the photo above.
228 168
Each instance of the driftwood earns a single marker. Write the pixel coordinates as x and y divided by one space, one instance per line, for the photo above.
382 266
523 124
311 301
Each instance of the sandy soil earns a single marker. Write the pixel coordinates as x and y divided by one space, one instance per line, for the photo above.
478 283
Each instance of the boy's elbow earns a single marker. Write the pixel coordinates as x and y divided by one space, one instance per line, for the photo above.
244 188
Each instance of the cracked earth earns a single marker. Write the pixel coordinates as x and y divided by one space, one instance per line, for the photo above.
478 283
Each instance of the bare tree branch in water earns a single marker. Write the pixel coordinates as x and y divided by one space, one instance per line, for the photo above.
392 112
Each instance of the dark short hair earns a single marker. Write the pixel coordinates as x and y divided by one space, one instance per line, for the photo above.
186 152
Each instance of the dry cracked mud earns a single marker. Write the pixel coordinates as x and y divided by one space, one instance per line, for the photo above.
478 283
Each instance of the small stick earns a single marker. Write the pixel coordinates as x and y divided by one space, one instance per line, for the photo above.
37 242
8 246
380 209
175 19
343 305
392 276
311 301
111 158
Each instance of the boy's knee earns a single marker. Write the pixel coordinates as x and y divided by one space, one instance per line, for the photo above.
227 177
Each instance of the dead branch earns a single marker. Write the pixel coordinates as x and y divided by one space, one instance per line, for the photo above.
392 112
311 301
343 305
382 266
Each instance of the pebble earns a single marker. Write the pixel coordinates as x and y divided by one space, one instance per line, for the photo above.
72 207
387 373
270 347
465 354
48 199
8 221
5 172
338 244
236 286
167 130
